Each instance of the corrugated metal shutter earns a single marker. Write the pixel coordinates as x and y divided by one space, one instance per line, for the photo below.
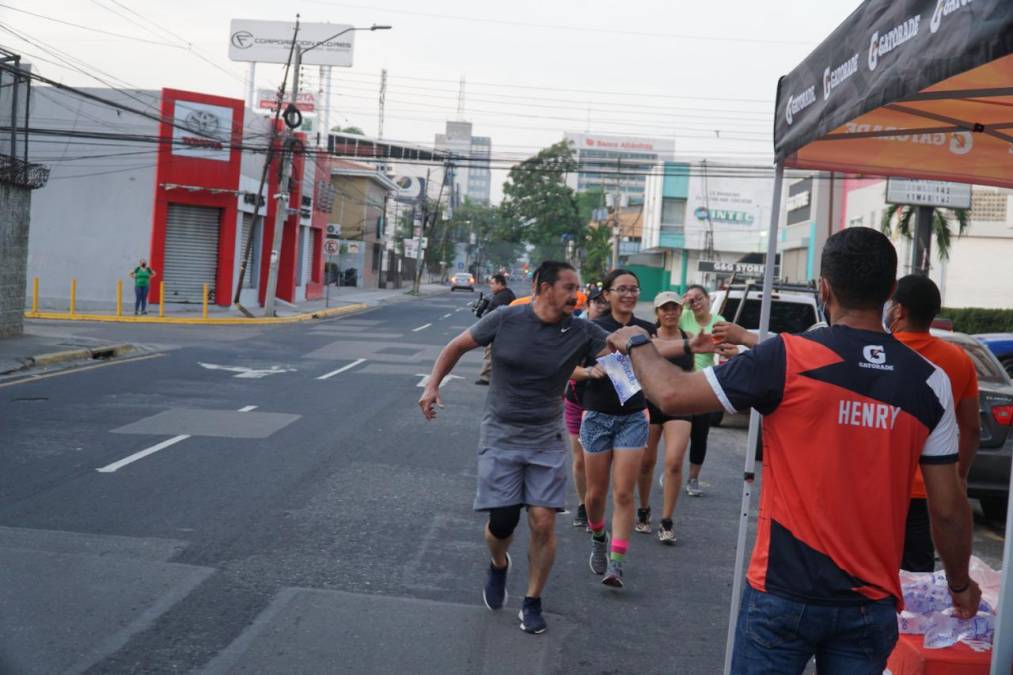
307 255
191 251
253 265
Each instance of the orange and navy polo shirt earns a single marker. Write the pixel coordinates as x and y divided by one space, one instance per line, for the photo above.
848 416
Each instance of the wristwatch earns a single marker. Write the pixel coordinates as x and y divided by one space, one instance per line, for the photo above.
636 341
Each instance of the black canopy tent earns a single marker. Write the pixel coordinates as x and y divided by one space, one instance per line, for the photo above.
912 88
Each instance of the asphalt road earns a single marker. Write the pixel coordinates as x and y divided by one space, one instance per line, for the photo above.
271 500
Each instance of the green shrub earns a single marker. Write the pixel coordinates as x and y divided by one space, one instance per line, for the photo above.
979 320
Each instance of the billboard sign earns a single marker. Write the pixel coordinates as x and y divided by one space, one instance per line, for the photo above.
410 188
928 193
270 42
202 130
740 269
737 209
267 99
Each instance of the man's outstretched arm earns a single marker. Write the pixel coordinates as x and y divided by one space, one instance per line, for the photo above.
673 390
952 528
445 362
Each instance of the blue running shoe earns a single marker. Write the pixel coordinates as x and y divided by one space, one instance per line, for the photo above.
495 593
531 616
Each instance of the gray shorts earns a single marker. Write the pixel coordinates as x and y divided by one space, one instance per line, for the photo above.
521 477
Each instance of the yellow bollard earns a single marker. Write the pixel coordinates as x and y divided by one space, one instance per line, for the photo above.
119 297
35 294
73 296
204 313
161 299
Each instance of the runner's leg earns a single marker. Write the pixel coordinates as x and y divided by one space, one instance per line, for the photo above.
625 470
579 476
698 444
647 465
598 466
676 439
541 549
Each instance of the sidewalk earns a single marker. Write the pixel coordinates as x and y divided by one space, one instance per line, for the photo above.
47 344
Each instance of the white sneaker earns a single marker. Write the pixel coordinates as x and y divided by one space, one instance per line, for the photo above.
693 488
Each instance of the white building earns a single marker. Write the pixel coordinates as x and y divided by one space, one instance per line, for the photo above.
472 175
616 163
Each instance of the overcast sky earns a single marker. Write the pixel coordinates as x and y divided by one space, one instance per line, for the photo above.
703 73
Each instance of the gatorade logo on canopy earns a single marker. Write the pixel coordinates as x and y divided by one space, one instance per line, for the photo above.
833 78
881 45
945 8
797 104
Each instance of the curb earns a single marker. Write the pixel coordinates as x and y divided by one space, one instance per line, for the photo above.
101 352
217 321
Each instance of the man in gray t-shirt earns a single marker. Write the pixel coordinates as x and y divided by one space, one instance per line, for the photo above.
522 445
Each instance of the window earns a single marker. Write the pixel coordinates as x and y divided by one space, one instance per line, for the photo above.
673 211
989 204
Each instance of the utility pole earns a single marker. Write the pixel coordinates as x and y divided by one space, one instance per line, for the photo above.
617 226
286 168
418 233
383 101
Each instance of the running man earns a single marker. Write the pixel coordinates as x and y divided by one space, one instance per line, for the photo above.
849 412
909 315
522 444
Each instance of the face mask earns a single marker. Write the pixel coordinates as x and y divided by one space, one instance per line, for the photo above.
887 320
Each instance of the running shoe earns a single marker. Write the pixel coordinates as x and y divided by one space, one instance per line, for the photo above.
643 521
495 593
580 520
599 555
531 616
693 488
666 533
614 575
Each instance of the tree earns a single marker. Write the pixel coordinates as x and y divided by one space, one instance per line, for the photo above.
537 199
941 217
598 256
348 130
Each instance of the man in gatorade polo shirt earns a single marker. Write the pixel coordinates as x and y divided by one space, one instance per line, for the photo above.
909 315
849 412
522 443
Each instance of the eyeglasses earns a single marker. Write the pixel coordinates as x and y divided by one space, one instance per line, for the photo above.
626 290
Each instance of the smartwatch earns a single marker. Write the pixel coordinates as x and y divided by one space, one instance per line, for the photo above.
637 341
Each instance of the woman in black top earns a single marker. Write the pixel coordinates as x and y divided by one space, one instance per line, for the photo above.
676 430
614 435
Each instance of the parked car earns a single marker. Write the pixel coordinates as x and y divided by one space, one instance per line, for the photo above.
1000 344
462 280
793 309
988 480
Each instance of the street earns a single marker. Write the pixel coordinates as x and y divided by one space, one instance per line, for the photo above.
271 500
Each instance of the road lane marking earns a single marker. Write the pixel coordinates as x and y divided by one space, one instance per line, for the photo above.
247 373
446 380
70 371
422 327
247 408
342 369
142 454
447 315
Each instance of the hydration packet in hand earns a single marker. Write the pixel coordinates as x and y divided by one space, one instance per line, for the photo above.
620 371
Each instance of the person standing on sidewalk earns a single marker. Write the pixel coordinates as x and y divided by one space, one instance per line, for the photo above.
501 297
668 310
909 315
697 322
522 447
614 435
142 276
849 412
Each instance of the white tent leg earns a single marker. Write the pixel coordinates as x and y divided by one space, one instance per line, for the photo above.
1002 649
754 422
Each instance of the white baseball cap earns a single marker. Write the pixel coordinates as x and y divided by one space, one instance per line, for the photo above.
667 297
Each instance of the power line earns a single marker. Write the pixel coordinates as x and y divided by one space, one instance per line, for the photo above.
90 28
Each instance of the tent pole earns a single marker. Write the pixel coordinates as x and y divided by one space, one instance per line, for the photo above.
754 420
1002 650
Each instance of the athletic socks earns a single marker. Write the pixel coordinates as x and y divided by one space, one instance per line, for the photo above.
597 530
666 523
619 547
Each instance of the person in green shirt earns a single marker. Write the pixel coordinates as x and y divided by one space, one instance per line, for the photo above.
141 275
698 320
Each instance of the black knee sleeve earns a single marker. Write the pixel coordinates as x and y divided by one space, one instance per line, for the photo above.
503 521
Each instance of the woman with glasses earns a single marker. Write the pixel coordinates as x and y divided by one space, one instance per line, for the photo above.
613 435
699 321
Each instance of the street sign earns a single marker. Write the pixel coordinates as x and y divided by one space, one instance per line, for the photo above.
267 99
739 268
332 246
928 193
270 42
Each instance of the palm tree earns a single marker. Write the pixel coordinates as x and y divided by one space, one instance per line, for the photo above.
941 217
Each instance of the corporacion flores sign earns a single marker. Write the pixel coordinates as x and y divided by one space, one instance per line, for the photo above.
271 41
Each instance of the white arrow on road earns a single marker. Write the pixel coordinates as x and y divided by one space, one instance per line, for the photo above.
248 373
425 379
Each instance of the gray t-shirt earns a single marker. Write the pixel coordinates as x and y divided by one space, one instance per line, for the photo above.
531 362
